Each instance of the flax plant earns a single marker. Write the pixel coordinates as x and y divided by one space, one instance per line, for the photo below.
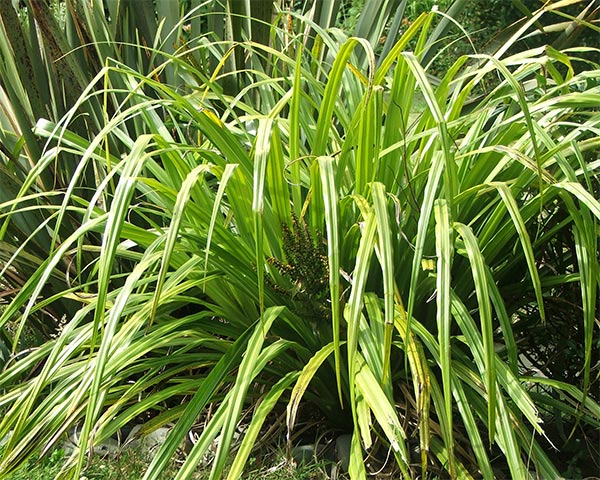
51 53
315 241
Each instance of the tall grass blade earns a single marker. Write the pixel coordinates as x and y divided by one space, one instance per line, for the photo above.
330 200
444 251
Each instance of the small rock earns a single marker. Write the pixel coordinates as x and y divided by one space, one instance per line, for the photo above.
149 444
303 454
133 439
109 447
342 449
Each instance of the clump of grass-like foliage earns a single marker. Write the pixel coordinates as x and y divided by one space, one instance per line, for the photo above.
178 240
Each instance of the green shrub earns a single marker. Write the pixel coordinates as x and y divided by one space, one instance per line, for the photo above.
197 260
490 23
